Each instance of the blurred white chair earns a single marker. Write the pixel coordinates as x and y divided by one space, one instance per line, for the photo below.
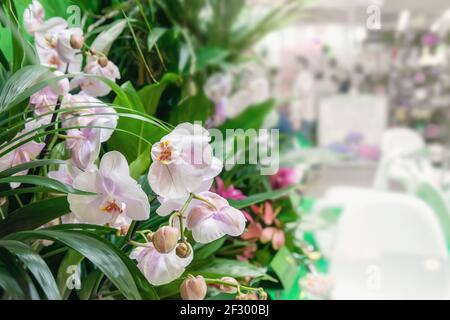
328 211
398 146
389 247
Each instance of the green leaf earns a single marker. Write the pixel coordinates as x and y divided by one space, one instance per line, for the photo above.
23 84
34 215
203 251
141 164
72 258
44 182
10 284
90 285
285 267
260 197
151 94
119 269
251 118
220 267
105 39
29 165
210 56
36 265
154 36
131 146
196 108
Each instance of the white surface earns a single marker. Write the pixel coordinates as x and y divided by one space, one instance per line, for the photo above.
390 248
342 114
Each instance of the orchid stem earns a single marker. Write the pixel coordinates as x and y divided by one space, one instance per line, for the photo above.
209 203
181 215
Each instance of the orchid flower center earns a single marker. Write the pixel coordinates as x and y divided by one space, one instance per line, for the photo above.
165 155
51 41
112 207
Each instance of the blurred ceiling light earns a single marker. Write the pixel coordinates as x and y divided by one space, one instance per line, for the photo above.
403 20
432 264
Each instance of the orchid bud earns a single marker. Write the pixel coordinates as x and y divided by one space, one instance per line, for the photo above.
228 289
165 239
103 61
247 296
183 250
193 288
76 41
263 295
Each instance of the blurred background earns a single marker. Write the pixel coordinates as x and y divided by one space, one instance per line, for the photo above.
363 86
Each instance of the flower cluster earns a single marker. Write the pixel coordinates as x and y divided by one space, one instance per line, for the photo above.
88 121
181 174
265 227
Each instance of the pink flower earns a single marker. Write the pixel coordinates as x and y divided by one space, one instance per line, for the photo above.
44 101
248 253
274 235
160 268
66 173
116 193
33 16
254 231
21 154
69 43
228 193
284 178
87 111
183 162
211 221
101 67
85 146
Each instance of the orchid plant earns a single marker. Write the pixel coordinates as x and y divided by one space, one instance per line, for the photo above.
99 197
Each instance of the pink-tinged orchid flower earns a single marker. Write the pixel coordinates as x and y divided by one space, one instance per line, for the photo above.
89 110
160 268
101 67
274 235
44 101
69 43
115 191
229 192
211 221
285 177
21 154
33 16
66 173
85 145
183 162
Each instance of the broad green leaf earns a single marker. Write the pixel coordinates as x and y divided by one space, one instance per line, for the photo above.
90 285
141 164
251 118
72 258
151 94
285 267
10 284
132 147
220 267
210 56
260 197
203 251
196 108
119 269
34 215
23 84
35 264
